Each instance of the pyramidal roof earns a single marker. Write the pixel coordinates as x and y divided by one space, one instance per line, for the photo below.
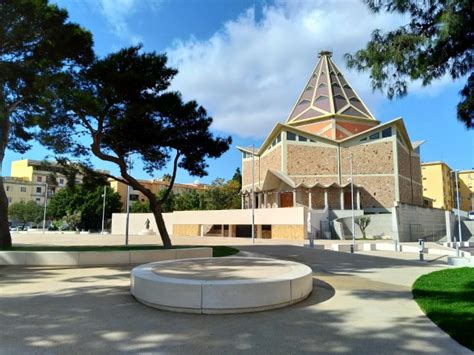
328 93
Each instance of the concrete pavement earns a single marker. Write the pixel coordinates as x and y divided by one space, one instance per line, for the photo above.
361 304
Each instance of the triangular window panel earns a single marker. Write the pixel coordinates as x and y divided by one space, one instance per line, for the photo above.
302 102
322 102
322 85
339 97
354 99
309 88
336 85
352 112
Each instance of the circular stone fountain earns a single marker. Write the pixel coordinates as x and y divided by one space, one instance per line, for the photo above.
221 285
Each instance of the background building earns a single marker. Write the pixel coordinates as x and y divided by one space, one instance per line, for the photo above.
439 185
466 190
155 185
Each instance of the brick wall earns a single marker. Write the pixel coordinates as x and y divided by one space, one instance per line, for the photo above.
416 168
334 198
317 198
325 180
405 190
247 171
403 161
373 158
375 191
270 160
309 160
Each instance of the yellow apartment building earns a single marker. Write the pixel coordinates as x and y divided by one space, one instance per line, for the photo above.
35 176
155 186
466 190
438 184
18 189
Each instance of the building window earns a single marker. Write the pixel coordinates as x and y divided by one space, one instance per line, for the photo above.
39 179
133 197
22 189
302 139
387 132
38 190
290 136
38 199
9 200
363 139
61 181
8 188
374 136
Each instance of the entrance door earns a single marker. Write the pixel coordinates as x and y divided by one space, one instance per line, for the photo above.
286 199
347 201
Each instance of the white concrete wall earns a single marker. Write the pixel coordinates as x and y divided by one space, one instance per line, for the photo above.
275 216
380 226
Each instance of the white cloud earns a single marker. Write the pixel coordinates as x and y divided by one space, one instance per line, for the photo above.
117 13
249 73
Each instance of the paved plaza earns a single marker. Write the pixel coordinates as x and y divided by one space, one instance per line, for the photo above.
360 304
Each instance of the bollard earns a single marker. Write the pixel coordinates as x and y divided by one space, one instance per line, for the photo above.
421 246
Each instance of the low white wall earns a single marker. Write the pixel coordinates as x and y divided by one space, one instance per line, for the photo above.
85 258
380 225
275 216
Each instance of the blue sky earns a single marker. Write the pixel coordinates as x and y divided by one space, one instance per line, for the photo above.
247 61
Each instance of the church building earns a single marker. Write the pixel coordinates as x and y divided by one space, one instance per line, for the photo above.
306 161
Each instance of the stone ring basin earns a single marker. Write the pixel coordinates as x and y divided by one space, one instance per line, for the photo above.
221 285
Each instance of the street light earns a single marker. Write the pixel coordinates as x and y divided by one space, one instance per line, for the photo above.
127 219
103 210
253 194
45 206
459 214
352 204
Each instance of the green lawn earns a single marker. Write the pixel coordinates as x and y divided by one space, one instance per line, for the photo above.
447 298
217 250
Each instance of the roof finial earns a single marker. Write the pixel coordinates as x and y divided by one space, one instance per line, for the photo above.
325 53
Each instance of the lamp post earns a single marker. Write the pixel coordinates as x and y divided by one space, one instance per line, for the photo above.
127 219
45 206
352 205
103 210
459 214
253 194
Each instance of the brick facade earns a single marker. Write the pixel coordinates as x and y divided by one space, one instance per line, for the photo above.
311 160
270 160
375 191
373 158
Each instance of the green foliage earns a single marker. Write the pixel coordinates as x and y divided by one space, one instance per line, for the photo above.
221 196
188 201
437 40
39 51
140 207
447 298
363 222
87 203
26 212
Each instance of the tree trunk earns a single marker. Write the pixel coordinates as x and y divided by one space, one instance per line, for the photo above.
160 222
5 237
